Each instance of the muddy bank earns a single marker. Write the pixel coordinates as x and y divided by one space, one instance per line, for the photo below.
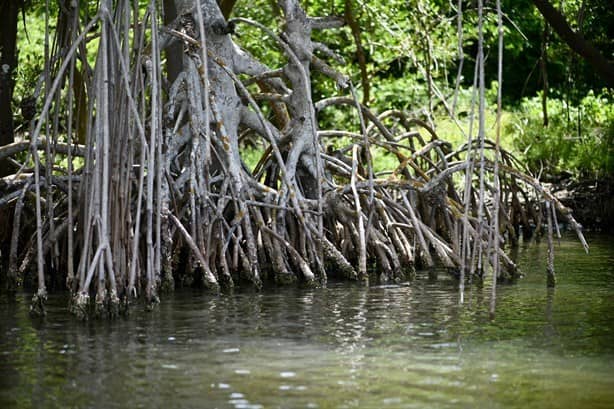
592 201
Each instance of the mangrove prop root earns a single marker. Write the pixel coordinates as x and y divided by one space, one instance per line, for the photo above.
37 306
161 194
79 305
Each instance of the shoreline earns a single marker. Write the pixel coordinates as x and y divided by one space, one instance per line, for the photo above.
591 201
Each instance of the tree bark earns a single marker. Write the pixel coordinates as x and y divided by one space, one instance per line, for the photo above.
576 41
9 10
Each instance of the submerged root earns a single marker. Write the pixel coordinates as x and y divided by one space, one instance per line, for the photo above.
167 284
79 305
286 278
337 262
152 300
101 304
37 306
114 304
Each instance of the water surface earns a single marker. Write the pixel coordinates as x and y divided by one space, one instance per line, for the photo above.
343 346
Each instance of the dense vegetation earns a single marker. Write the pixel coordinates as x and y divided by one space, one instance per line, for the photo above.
405 45
288 147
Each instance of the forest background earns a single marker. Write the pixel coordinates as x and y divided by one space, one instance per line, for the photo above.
558 112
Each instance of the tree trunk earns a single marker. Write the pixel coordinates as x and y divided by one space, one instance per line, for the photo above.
9 10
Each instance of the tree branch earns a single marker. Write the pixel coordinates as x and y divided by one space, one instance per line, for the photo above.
576 41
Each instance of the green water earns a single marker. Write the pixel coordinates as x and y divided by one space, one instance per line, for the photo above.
343 346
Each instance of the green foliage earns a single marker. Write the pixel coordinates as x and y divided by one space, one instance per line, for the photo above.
251 156
30 39
579 138
410 48
456 130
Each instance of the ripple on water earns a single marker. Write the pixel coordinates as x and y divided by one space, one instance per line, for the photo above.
337 346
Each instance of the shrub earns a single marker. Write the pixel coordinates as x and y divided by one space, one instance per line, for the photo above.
578 138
